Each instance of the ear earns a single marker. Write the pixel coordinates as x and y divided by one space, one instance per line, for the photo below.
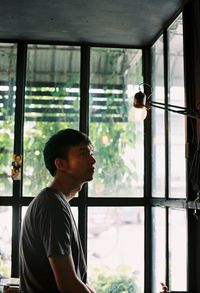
60 164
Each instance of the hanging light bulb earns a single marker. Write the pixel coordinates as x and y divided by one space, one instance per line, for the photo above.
137 114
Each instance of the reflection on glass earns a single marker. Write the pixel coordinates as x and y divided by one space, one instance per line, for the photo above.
158 122
178 250
52 103
116 248
159 247
177 162
118 141
8 53
5 241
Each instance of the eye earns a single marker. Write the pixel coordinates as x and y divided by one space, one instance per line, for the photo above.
84 152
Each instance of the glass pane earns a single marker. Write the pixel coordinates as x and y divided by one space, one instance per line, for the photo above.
118 142
5 241
158 122
24 209
52 103
8 53
178 250
159 247
75 214
177 136
116 249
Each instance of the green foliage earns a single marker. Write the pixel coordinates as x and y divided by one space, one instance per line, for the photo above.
110 138
6 151
5 270
112 171
116 282
36 175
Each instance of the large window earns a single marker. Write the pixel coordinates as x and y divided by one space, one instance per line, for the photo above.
177 162
5 240
116 248
159 247
51 103
118 141
177 250
8 53
132 217
169 222
119 150
158 121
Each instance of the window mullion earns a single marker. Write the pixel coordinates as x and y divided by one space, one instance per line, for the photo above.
18 149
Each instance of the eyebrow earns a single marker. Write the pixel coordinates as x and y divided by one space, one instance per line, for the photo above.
85 147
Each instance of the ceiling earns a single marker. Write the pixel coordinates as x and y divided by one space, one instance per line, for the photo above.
112 22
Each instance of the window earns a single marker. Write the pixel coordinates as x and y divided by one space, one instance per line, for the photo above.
178 250
5 240
120 262
169 221
158 121
118 141
8 54
52 103
177 137
115 204
159 247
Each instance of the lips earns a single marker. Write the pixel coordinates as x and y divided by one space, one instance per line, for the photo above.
91 170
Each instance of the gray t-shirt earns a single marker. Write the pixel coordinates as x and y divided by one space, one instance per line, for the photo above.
48 229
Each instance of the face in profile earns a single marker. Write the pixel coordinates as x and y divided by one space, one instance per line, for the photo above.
80 163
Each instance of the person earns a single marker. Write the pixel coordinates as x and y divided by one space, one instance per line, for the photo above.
16 167
51 255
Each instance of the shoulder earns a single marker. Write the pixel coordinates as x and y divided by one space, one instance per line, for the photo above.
48 195
48 201
48 206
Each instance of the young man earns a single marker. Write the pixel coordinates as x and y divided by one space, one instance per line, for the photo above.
51 256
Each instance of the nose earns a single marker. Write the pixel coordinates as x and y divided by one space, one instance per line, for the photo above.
93 161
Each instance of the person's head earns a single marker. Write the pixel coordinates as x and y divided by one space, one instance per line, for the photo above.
17 158
62 145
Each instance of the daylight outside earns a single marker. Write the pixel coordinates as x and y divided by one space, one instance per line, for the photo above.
52 102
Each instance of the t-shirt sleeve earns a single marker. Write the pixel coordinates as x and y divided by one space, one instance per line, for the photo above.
55 228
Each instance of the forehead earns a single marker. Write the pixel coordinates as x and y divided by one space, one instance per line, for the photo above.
82 147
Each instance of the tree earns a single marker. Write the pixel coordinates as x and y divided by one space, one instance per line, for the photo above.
119 281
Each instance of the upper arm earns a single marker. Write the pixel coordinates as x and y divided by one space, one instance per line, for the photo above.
65 275
55 228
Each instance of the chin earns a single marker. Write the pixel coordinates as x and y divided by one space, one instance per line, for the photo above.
88 179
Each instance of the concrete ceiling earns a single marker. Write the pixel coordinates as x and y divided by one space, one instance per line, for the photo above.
111 22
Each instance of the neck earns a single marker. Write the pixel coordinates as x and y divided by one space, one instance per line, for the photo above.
67 187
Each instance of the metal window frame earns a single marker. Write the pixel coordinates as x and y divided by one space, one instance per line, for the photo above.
83 201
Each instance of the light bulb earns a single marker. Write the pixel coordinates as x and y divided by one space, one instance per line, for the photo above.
137 114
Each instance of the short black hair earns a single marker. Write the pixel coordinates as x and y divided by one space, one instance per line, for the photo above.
58 145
